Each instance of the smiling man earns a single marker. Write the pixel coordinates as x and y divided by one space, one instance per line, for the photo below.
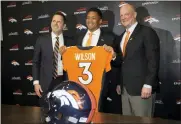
138 53
47 67
95 36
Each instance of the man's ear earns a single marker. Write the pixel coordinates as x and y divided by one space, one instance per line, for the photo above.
100 21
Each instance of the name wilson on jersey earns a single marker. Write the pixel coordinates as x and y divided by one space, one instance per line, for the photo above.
85 56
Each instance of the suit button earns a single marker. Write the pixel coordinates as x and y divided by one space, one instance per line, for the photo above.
123 62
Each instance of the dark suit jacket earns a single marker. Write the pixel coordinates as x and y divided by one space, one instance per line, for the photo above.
107 38
43 59
141 62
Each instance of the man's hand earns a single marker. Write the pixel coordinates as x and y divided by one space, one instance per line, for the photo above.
118 89
38 90
62 49
109 49
145 93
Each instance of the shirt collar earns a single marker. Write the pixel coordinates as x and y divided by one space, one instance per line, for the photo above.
95 32
54 36
131 29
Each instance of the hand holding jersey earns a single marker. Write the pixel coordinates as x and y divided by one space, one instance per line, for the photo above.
62 49
110 49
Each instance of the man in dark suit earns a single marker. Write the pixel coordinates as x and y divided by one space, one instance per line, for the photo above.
99 38
137 55
47 64
94 36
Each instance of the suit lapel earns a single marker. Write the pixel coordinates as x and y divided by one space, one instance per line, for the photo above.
65 40
101 39
120 49
50 43
131 38
121 40
80 39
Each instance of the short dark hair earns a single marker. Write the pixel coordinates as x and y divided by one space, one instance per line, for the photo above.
95 9
60 14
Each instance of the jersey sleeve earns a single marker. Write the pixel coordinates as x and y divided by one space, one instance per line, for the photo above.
108 61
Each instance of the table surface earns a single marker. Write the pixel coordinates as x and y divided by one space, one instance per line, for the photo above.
13 114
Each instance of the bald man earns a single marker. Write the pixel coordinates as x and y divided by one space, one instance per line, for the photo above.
137 55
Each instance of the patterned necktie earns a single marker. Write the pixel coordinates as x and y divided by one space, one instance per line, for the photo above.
125 42
88 43
55 56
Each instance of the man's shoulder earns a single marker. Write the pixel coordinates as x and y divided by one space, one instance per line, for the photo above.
107 33
146 28
44 36
69 40
81 33
68 37
108 36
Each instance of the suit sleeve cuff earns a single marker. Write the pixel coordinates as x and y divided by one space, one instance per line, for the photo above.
114 57
35 82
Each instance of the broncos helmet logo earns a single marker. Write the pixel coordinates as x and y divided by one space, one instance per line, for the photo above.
69 102
70 98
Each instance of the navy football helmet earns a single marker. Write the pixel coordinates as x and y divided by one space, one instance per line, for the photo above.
69 103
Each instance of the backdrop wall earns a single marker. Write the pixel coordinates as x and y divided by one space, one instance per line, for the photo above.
23 22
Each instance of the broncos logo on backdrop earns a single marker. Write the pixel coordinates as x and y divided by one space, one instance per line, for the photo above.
70 98
151 19
122 3
15 63
177 38
80 26
26 31
12 20
30 78
63 13
178 102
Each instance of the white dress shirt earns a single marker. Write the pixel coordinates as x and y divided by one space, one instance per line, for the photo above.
95 37
61 43
131 29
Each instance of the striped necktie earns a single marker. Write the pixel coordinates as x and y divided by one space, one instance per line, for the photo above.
55 56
